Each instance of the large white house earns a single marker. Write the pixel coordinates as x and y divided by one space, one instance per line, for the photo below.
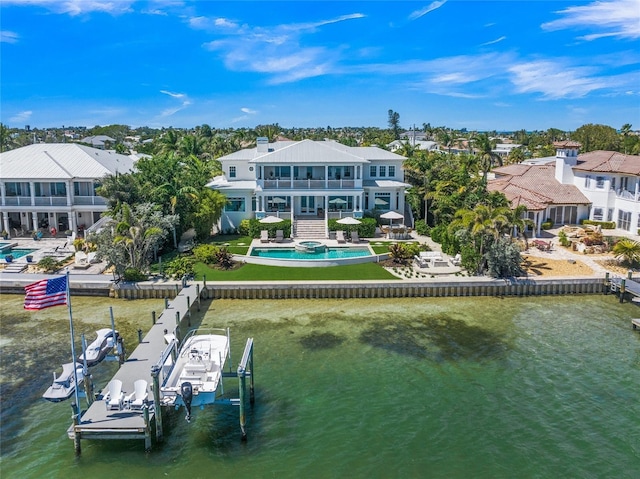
599 185
52 185
309 180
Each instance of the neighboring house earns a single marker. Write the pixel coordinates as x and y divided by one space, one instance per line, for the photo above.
418 144
599 185
308 179
53 185
504 149
98 141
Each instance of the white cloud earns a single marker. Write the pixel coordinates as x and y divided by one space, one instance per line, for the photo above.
8 37
492 42
275 50
616 18
173 95
556 79
423 11
248 111
77 7
21 117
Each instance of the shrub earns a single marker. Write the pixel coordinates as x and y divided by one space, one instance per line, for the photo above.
605 225
547 224
49 264
206 253
179 267
562 238
134 274
78 244
422 228
224 259
244 228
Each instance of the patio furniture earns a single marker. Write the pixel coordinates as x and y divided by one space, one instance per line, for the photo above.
135 400
456 260
340 236
279 236
264 236
114 398
421 262
354 237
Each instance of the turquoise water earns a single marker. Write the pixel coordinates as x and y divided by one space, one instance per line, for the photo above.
431 387
18 253
329 253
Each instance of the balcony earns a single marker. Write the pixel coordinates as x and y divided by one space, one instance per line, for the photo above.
89 200
627 195
17 201
50 201
288 184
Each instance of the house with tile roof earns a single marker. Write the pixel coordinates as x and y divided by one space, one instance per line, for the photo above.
309 182
53 185
599 185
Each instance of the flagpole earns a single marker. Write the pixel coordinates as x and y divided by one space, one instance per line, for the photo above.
73 353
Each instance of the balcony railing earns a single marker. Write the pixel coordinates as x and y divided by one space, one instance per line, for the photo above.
50 201
17 201
89 200
288 184
627 195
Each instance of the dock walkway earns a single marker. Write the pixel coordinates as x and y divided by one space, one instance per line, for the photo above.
100 423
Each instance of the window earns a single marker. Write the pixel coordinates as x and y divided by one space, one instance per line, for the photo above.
392 171
610 214
382 170
234 204
612 185
17 189
597 214
372 171
624 220
382 201
600 182
232 172
58 189
587 181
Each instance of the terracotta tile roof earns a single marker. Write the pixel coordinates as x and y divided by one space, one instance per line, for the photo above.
567 144
534 186
608 162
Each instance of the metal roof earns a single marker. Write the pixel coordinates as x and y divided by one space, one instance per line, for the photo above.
61 161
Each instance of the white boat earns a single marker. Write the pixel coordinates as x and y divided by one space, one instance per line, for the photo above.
99 348
196 375
64 385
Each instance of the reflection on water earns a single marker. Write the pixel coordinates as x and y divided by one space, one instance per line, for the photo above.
432 387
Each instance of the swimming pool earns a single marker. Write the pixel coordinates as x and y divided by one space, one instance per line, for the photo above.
328 253
17 252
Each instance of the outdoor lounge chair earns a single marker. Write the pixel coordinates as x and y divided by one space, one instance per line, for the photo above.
340 236
264 236
114 398
421 262
135 400
279 236
354 237
456 260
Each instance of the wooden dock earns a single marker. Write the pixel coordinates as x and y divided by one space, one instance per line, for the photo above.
635 322
623 286
97 422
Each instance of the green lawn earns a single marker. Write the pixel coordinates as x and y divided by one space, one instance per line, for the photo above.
255 272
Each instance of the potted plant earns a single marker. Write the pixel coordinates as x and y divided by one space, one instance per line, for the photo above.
29 258
5 234
8 258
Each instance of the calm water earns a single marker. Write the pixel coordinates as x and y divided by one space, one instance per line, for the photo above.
328 253
443 387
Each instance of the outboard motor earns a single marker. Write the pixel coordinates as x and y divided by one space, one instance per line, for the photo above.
186 391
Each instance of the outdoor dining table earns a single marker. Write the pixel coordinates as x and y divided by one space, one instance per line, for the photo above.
397 232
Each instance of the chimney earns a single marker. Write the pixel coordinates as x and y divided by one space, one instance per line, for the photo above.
262 143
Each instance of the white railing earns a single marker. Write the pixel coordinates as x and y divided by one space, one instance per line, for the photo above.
17 201
287 184
50 201
89 200
627 195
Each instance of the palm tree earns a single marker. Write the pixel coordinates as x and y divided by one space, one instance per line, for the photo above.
627 250
484 146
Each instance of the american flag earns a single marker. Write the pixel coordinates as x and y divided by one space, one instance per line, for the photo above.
46 293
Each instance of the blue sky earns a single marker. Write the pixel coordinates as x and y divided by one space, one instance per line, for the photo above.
479 65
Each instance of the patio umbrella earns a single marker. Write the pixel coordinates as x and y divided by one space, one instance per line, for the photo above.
277 199
391 215
349 220
270 219
338 201
380 202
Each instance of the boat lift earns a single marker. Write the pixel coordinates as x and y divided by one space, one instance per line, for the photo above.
245 370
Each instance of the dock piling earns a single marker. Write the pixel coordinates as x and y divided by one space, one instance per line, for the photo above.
622 290
76 434
147 427
153 317
155 373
